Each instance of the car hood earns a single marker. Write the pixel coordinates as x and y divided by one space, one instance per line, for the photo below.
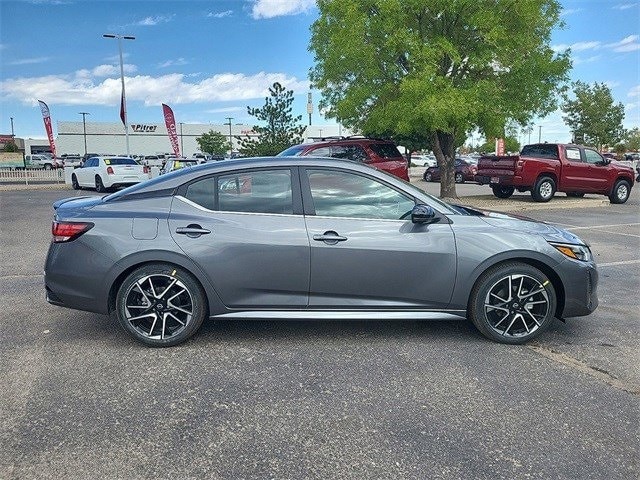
520 223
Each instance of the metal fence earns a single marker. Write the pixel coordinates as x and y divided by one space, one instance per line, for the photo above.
31 176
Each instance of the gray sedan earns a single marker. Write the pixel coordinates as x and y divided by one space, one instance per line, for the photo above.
308 238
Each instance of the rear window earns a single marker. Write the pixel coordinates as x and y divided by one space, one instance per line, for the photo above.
120 161
541 150
385 150
292 151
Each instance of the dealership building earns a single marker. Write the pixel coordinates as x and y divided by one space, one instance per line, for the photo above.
152 138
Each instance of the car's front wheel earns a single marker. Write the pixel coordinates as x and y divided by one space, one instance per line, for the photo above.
161 305
512 303
621 191
459 178
428 177
74 182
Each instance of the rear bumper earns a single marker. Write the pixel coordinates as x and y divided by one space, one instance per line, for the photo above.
507 180
119 180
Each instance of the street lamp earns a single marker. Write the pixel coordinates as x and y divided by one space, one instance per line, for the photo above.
124 98
230 142
12 134
84 129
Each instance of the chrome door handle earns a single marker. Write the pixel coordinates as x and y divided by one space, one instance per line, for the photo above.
329 237
192 231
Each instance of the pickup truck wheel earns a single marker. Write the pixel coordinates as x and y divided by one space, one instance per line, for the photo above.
544 189
512 303
99 185
74 182
575 194
502 191
621 191
459 178
428 177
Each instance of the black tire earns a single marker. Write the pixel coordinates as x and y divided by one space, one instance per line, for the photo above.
47 166
621 191
147 296
575 194
544 189
519 326
428 177
74 183
99 185
459 178
502 191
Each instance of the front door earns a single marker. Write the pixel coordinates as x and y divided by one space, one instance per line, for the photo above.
575 172
598 171
366 252
247 232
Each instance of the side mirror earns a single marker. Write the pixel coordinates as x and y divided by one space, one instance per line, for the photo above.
423 214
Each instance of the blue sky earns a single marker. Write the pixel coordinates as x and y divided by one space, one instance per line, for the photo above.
210 59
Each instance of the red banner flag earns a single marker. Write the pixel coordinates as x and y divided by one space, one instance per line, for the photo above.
123 110
46 116
170 121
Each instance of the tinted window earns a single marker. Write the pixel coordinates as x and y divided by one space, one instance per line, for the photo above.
320 152
120 161
343 194
292 151
385 150
263 191
92 162
202 192
350 152
541 150
592 156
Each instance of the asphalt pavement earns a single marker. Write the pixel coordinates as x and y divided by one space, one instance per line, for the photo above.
322 399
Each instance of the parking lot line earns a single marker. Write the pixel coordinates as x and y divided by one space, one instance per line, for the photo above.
623 262
590 227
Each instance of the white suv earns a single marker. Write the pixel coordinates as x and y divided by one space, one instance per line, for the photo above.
108 172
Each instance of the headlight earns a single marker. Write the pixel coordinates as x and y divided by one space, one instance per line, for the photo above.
576 252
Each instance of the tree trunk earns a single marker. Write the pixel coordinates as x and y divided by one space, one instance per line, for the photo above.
445 152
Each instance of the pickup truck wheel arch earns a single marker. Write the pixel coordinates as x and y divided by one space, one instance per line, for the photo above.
544 189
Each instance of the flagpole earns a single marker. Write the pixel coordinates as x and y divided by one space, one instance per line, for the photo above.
123 99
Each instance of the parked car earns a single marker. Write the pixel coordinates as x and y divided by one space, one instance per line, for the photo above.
153 161
173 164
465 172
381 154
308 238
423 160
102 173
547 168
40 161
72 161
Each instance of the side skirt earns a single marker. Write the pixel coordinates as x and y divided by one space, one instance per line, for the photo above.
345 315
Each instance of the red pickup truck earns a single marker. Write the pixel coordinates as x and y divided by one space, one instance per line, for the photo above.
547 168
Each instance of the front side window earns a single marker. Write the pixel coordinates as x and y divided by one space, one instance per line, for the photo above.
573 154
261 191
592 157
343 194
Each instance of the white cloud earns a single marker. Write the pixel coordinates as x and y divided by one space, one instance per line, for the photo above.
81 89
116 58
150 21
226 110
226 13
570 11
627 44
576 47
579 60
173 63
634 92
625 6
30 61
278 8
612 83
111 70
631 106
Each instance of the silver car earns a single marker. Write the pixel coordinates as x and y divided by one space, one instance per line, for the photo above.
308 238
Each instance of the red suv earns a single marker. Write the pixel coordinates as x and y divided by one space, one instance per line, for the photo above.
381 154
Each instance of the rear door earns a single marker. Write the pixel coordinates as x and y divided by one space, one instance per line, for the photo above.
247 232
366 252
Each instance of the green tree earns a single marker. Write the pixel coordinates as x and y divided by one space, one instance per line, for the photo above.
11 147
592 115
632 140
437 68
214 143
281 129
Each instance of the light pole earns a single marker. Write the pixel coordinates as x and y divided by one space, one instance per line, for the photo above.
181 141
539 133
123 105
230 142
84 129
12 134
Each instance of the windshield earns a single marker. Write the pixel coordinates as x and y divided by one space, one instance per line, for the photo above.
120 161
385 150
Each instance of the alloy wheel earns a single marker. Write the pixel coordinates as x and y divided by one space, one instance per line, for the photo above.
546 189
516 305
158 306
622 191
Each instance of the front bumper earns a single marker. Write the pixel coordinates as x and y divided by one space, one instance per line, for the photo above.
580 280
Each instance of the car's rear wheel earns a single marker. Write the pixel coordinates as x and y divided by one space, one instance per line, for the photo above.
512 303
502 191
459 178
544 189
99 185
428 177
621 191
74 182
161 305
47 166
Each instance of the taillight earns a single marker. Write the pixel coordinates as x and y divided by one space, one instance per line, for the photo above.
145 169
110 170
67 231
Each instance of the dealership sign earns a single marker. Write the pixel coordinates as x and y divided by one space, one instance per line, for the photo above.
141 128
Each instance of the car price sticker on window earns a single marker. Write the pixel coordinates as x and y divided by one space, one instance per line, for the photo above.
573 154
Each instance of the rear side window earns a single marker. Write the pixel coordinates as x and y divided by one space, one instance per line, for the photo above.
350 152
292 151
202 192
541 150
320 152
262 191
385 150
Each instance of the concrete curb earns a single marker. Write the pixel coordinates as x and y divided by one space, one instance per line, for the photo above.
519 204
36 186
